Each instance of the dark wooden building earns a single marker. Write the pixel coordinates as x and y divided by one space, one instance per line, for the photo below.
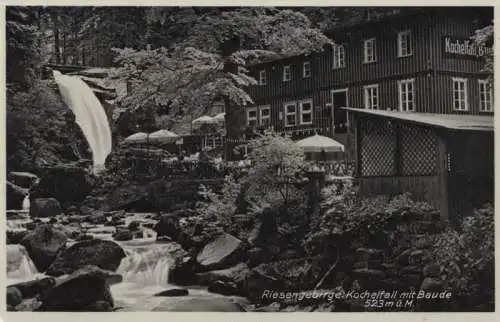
420 62
445 160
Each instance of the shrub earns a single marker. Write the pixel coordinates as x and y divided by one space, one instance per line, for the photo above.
349 217
467 257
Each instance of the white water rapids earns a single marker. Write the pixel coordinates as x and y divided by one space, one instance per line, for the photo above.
89 114
144 269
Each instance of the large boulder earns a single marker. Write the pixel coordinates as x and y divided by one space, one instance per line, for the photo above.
44 207
169 226
67 183
23 179
223 252
102 253
86 289
126 197
36 287
43 244
15 196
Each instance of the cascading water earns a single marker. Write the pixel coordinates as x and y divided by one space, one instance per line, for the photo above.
89 114
26 203
20 267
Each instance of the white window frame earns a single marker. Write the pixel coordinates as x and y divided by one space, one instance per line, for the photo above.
306 72
367 59
368 91
485 87
302 112
294 113
338 56
262 77
404 37
287 73
403 94
267 117
256 118
465 100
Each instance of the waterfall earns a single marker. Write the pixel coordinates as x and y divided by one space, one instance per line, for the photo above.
20 267
26 203
146 266
89 114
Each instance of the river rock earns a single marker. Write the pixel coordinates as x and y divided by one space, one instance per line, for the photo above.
44 207
223 252
102 253
15 237
168 226
134 225
83 290
218 304
15 196
33 288
14 296
183 271
23 179
224 288
123 235
173 292
124 197
69 184
43 244
236 274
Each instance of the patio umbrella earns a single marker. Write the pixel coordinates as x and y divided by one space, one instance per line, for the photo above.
220 117
319 143
205 119
139 137
163 136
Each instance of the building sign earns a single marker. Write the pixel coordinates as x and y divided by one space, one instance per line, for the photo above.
465 48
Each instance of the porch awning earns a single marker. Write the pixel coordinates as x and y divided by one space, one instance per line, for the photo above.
448 121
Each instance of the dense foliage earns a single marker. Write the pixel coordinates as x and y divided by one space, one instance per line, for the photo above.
277 166
22 45
467 257
42 137
484 37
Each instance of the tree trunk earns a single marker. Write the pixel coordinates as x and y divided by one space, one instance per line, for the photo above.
235 118
57 45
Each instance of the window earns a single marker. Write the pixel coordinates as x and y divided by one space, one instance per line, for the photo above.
369 50
406 95
371 97
262 77
265 116
404 44
338 56
290 114
287 74
306 114
252 117
485 96
306 69
460 102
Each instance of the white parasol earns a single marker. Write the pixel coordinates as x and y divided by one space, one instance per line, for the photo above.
319 143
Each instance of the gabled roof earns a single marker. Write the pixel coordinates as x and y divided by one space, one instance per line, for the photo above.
448 121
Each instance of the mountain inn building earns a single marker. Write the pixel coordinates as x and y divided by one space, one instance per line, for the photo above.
408 97
420 62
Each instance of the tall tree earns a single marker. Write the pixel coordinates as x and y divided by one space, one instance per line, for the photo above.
22 44
484 37
208 64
